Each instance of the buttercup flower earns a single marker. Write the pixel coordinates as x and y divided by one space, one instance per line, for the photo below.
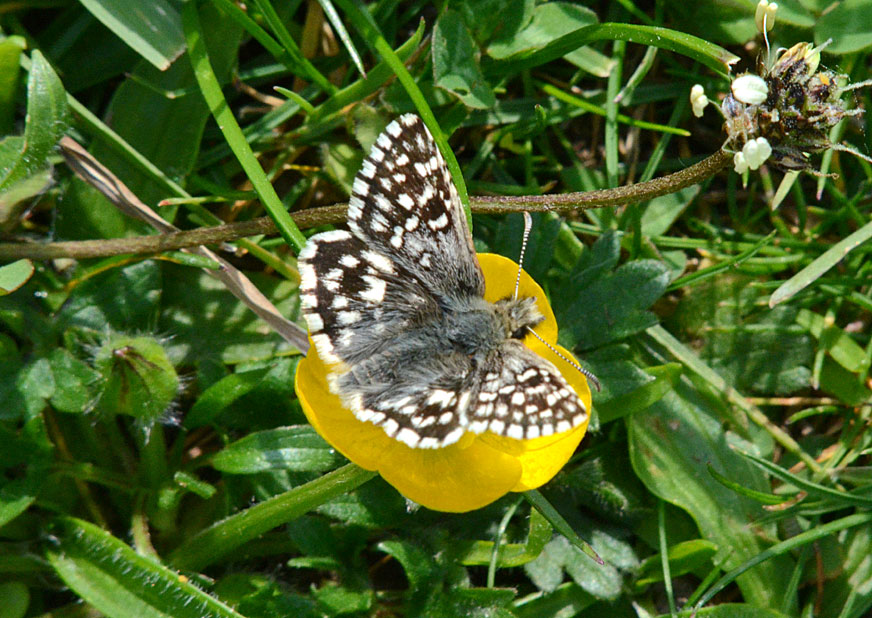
478 469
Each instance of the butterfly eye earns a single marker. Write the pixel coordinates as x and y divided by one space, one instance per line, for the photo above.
520 333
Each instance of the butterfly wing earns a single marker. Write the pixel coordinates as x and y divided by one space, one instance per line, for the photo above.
404 203
355 300
433 401
523 396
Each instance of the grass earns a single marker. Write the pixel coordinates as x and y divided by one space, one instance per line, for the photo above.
154 457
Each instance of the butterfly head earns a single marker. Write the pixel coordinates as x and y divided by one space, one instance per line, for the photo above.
518 316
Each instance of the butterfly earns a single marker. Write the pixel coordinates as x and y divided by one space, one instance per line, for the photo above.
396 305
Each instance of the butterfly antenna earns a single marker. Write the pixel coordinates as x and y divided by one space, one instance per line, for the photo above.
587 374
528 225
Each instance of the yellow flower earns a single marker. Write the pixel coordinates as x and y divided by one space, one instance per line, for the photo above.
478 469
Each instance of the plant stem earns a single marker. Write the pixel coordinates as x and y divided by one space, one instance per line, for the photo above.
583 200
213 543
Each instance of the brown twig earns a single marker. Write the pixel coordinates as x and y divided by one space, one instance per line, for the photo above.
174 240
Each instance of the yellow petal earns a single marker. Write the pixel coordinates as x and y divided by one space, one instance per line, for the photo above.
500 273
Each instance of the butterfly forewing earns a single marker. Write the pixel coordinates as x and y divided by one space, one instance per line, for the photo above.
396 305
404 203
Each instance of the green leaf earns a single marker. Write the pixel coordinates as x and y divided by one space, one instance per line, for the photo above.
848 24
665 378
550 21
122 298
14 275
16 496
660 213
711 55
685 557
10 64
286 448
223 537
221 394
671 445
596 307
512 554
419 566
73 380
837 381
559 556
834 340
566 600
14 599
148 98
109 575
151 28
45 124
455 62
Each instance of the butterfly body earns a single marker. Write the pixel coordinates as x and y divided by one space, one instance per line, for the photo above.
397 305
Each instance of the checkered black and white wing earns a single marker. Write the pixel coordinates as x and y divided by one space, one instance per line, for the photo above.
356 299
404 203
523 396
430 405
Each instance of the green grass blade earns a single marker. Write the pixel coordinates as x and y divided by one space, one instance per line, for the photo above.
813 489
784 547
303 67
820 266
223 114
559 94
364 22
342 33
562 526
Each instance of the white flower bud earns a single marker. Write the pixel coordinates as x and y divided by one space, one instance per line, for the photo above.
755 152
764 16
739 163
698 100
750 89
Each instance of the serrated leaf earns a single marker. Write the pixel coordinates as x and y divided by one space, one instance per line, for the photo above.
559 556
612 305
455 62
286 448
